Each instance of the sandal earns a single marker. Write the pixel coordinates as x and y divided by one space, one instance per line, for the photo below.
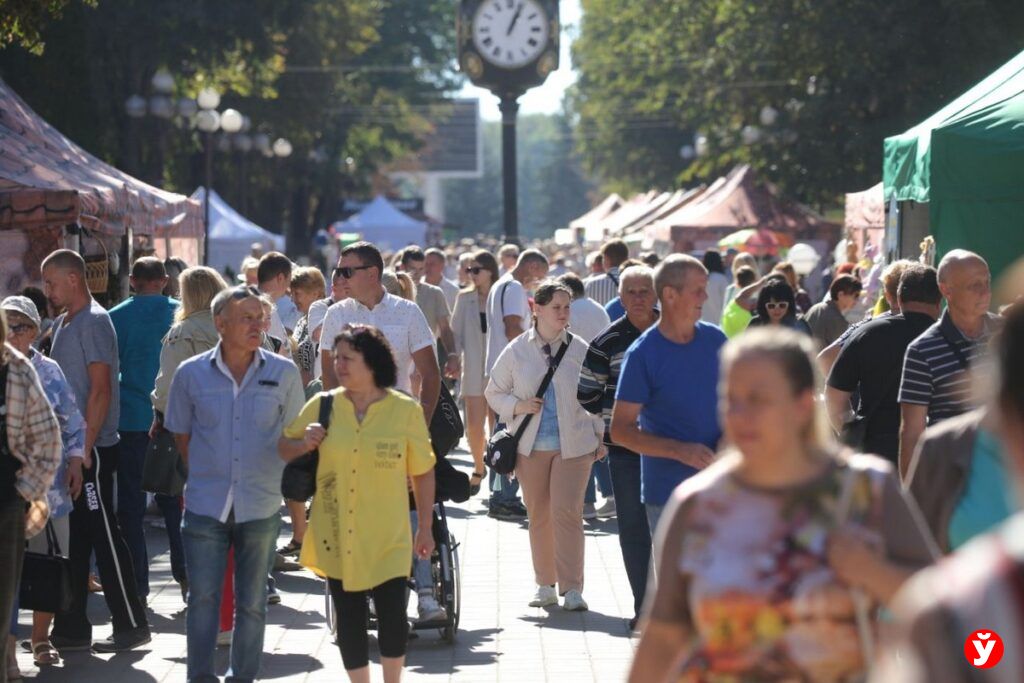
293 548
45 654
474 486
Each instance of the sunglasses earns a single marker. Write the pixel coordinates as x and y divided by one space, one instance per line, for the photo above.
348 272
781 305
474 270
237 294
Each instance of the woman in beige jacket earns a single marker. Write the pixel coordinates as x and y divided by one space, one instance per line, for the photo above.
558 446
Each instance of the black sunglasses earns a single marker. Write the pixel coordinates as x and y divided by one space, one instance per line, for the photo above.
347 272
474 270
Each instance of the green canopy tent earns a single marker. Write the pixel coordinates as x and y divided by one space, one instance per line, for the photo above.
966 161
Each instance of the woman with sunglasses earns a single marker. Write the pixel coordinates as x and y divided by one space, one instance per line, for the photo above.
776 306
469 326
557 448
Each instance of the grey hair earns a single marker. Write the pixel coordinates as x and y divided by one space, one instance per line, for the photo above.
238 293
532 256
636 273
672 271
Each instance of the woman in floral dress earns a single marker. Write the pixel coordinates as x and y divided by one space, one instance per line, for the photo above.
776 558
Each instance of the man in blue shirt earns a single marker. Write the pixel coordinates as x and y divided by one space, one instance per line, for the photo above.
227 408
666 402
140 323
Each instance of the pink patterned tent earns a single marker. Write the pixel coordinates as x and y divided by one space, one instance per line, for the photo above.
48 181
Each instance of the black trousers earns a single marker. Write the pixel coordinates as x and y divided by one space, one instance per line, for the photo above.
94 529
389 599
12 550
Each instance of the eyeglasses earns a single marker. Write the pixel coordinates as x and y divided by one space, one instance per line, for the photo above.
348 272
781 305
237 294
23 327
474 270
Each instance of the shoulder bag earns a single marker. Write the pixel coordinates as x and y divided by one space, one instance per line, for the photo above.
163 470
446 427
503 444
298 481
46 578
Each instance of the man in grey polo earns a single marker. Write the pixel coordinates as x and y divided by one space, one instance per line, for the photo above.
226 409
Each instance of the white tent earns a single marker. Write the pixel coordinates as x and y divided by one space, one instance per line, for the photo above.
384 225
232 235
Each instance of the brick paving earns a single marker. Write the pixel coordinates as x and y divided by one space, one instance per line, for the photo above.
500 638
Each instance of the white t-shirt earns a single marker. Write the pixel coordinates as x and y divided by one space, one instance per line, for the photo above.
507 297
314 319
401 321
277 330
451 292
587 318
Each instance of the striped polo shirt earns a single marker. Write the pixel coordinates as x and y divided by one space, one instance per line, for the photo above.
604 287
934 374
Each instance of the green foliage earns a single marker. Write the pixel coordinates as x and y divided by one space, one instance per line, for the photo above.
22 21
341 79
842 75
552 187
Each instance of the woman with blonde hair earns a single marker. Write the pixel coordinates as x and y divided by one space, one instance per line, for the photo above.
743 260
802 298
773 562
307 285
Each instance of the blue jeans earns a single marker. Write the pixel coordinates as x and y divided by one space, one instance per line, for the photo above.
600 473
634 530
421 574
503 490
206 550
131 504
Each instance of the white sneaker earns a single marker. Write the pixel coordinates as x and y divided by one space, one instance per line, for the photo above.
574 602
608 509
224 638
589 511
429 610
545 596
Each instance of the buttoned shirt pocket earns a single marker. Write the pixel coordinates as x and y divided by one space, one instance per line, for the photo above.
207 407
266 411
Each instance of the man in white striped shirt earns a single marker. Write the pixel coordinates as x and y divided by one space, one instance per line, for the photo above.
605 287
936 379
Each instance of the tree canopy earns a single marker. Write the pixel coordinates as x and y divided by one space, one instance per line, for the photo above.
804 90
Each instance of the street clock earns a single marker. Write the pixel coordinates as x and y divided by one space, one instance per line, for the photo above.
508 46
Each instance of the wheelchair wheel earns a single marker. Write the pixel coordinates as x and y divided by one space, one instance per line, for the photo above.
451 587
332 620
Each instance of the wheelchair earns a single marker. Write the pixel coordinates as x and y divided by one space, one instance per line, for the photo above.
447 584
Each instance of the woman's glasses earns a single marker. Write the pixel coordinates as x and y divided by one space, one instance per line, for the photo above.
23 327
347 272
780 305
474 270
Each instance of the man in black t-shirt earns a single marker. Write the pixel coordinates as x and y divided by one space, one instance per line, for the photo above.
871 361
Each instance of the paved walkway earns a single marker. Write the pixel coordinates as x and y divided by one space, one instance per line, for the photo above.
500 638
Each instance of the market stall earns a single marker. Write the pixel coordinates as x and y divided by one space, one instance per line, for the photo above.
384 225
54 194
232 234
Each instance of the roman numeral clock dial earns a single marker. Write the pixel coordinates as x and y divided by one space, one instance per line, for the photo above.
510 33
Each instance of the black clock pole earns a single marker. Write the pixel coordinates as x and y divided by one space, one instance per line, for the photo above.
509 108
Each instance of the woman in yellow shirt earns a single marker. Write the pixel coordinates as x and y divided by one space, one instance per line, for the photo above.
359 534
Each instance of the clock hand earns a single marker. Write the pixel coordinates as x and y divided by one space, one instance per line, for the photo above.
515 18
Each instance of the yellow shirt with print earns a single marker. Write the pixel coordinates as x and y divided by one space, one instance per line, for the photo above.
359 530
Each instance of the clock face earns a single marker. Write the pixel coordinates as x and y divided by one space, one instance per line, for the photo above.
510 33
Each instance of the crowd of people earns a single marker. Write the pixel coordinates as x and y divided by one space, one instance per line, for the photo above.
784 472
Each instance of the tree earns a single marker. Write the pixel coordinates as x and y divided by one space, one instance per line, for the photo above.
22 21
553 188
833 77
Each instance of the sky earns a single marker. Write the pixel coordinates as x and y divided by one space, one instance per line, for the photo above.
547 99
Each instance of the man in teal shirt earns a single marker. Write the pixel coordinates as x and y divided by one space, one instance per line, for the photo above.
141 323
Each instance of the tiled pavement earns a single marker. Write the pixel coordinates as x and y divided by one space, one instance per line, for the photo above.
500 638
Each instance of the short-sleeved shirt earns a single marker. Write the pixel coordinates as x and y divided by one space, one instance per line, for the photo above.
604 287
507 297
141 323
933 374
735 319
677 385
401 321
587 319
451 291
432 302
89 337
871 361
826 321
745 571
615 309
359 529
233 464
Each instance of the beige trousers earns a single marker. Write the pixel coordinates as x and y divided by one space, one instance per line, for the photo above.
553 490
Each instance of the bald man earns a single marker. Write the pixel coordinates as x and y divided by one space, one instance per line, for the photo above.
936 382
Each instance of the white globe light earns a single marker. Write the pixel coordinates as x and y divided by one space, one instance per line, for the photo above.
163 82
187 107
161 106
687 152
208 120
750 135
208 98
243 142
135 106
261 142
282 148
769 115
700 145
803 257
231 121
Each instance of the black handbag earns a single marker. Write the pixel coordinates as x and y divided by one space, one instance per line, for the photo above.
503 445
446 428
298 481
46 578
164 470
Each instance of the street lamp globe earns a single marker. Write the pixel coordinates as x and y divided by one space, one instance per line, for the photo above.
701 145
135 106
231 121
208 120
769 115
161 106
750 135
261 142
282 148
163 82
208 98
187 107
243 142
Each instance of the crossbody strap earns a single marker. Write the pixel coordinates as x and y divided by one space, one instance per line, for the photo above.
556 361
326 403
956 350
